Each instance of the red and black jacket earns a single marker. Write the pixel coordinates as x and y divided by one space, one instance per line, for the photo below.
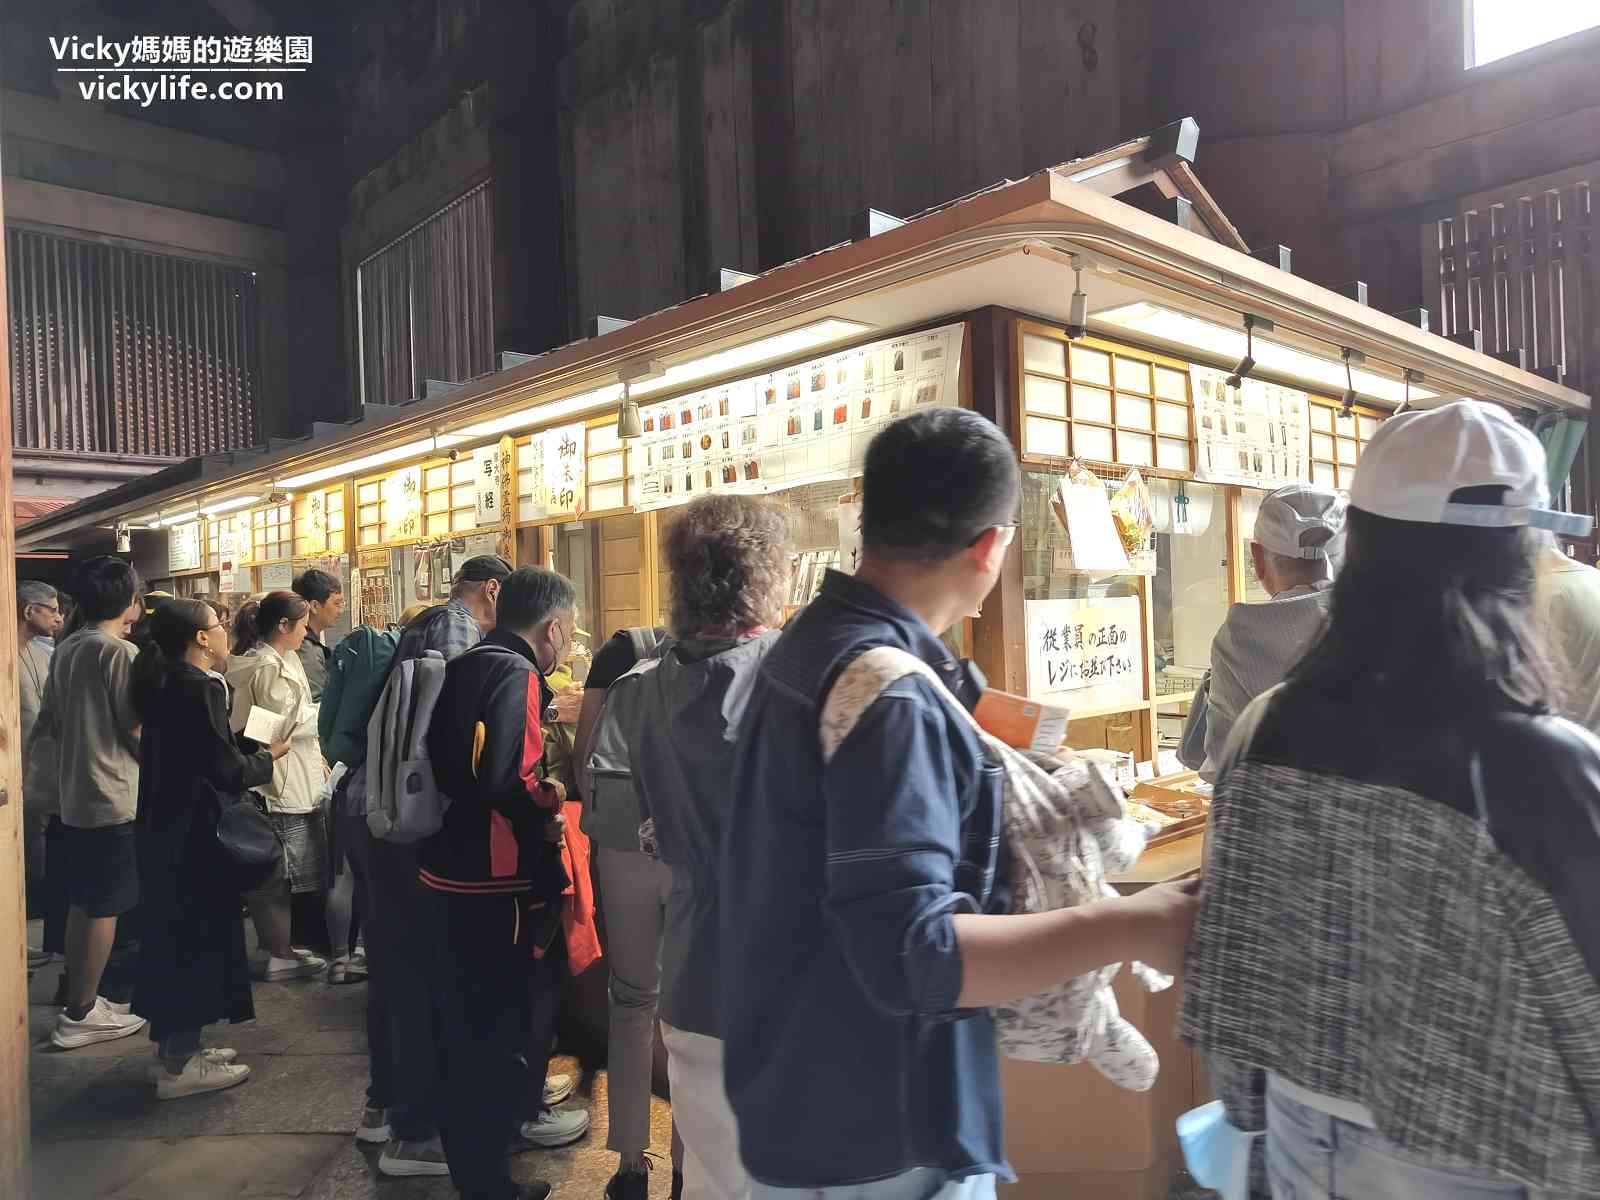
486 744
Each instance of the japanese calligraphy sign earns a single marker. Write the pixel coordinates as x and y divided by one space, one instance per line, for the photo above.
486 470
183 547
1089 652
314 540
559 472
402 505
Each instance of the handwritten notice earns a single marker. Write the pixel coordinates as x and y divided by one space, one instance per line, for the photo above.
402 505
1090 651
558 462
183 547
486 471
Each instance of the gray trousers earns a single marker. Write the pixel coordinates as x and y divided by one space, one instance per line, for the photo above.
633 890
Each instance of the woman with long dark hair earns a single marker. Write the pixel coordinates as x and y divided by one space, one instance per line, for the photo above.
1394 971
192 967
265 673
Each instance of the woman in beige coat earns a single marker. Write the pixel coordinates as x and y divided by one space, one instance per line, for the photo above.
265 672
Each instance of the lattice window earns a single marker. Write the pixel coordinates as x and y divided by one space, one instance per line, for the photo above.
369 512
1103 402
1337 442
449 497
272 532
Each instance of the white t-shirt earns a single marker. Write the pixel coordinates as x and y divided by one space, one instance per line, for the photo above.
1569 604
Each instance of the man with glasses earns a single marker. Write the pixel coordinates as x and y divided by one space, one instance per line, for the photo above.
864 902
38 621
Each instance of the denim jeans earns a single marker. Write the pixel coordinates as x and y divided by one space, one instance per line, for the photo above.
921 1183
1314 1156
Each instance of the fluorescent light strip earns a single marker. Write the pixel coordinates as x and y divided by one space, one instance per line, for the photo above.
182 518
1179 328
222 506
723 362
355 465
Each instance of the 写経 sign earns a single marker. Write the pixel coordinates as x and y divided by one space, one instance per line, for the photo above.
1088 653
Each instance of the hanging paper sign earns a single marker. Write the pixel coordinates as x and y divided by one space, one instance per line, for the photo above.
849 533
1257 435
806 423
227 548
314 539
486 471
183 547
402 505
558 463
1087 652
277 577
243 580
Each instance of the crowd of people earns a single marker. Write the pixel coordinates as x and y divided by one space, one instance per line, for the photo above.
1391 964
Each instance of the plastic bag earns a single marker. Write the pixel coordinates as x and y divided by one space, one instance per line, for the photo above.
1133 513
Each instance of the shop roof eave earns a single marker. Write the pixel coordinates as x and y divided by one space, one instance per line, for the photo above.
1129 237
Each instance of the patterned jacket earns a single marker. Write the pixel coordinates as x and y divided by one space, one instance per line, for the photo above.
1408 918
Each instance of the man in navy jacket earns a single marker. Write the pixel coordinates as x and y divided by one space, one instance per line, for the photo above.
864 902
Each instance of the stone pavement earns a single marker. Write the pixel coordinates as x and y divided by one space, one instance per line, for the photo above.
99 1133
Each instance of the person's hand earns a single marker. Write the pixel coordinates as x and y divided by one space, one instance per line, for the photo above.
278 749
555 832
560 790
1165 915
567 705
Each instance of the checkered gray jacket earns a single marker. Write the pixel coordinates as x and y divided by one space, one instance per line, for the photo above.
1409 919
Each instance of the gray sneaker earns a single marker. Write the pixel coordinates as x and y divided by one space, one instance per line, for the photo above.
403 1160
374 1129
556 1127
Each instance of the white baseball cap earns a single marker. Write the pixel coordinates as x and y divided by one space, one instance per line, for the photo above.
1417 461
1302 520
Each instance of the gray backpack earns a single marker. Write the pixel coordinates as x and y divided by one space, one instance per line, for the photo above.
404 803
611 813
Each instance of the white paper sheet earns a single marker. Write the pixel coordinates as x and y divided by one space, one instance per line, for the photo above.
1085 510
263 725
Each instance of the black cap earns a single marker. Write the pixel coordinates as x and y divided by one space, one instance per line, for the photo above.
482 568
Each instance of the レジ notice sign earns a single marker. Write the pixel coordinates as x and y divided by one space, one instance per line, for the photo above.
1086 653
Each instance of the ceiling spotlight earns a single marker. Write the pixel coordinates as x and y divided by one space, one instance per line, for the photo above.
1350 357
124 538
1078 310
1248 362
628 425
1410 375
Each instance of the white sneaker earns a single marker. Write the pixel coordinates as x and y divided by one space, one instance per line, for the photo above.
119 1006
556 1127
301 966
557 1088
217 1054
100 1024
200 1074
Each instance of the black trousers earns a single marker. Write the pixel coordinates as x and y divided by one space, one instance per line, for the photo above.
401 1039
480 987
547 977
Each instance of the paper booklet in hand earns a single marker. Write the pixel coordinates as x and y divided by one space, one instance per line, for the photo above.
265 726
1020 722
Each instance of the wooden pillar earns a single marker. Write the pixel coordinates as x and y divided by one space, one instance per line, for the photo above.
14 1121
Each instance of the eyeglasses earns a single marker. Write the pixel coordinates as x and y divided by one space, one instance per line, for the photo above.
209 628
1009 528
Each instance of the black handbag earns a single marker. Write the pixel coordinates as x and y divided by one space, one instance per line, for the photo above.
248 839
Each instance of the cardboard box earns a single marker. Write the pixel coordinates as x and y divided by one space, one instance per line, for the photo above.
1070 1131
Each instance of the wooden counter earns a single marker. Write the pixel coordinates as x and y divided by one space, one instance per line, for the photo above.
1163 863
